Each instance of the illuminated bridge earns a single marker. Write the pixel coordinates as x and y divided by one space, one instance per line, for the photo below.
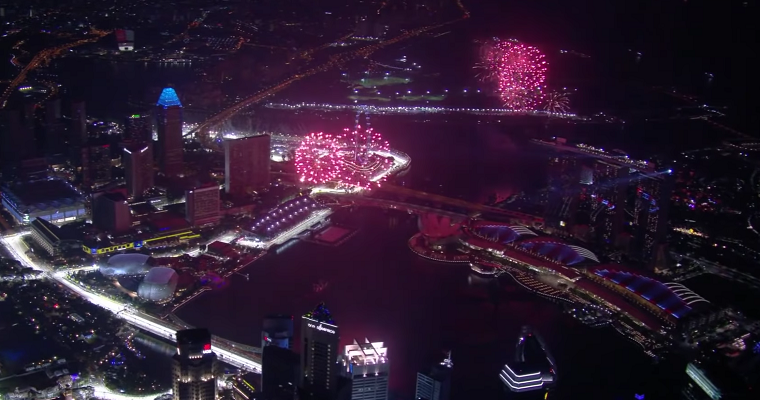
335 60
435 201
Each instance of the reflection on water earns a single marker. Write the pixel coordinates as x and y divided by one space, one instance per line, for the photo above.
380 290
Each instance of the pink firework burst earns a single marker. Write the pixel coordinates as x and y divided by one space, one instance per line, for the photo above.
317 159
356 158
519 72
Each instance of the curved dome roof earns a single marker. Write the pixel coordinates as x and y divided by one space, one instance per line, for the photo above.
159 284
675 298
501 233
438 226
561 253
127 264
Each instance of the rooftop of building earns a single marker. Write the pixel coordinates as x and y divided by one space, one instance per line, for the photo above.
71 231
193 336
320 313
166 221
674 298
168 98
115 197
42 194
160 275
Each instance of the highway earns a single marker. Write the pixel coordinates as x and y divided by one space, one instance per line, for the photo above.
334 61
227 351
724 272
44 57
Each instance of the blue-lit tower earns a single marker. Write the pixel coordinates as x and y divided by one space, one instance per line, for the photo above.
169 122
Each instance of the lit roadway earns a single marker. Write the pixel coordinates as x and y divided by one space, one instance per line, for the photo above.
334 61
227 351
725 272
43 57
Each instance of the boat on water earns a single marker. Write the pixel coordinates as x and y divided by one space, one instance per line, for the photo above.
533 367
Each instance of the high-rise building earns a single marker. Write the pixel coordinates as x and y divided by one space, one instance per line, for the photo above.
319 353
367 366
138 168
138 129
169 123
195 366
110 212
436 384
650 216
78 123
54 128
246 164
96 165
279 372
202 206
13 139
607 197
277 331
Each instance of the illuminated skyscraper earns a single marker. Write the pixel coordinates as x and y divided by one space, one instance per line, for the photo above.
78 123
195 366
138 129
436 384
277 331
319 353
367 366
650 216
54 128
138 168
202 206
169 122
96 165
246 164
13 139
110 213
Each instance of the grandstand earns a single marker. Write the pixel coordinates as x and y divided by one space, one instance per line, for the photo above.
675 300
556 251
284 217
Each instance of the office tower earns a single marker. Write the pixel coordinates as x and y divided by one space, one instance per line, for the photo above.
650 216
96 165
277 331
246 164
279 372
110 213
138 168
195 366
367 366
78 123
54 128
138 129
169 123
319 353
30 122
565 185
436 384
607 196
13 139
202 206
533 367
53 110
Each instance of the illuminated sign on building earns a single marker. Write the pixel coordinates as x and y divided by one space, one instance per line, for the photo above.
186 235
322 328
207 348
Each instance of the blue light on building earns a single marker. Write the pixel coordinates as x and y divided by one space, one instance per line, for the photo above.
168 98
